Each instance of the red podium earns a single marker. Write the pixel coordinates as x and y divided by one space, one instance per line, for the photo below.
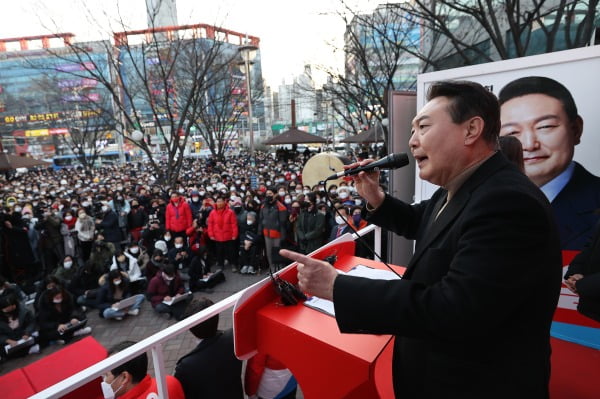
326 363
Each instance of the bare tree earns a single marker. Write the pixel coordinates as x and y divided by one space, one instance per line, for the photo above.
160 85
86 114
376 61
451 33
223 105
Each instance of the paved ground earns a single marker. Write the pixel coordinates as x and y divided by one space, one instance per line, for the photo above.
110 332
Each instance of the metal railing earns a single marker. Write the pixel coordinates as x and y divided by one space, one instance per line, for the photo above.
154 344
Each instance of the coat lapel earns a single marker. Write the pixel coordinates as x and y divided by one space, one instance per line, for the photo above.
453 208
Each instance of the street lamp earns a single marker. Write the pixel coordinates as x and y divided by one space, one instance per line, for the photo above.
248 53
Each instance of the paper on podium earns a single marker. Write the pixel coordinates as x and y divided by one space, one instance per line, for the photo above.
326 306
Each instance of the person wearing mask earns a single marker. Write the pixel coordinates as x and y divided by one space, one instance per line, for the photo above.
342 222
137 218
178 217
249 239
66 270
116 288
56 313
102 253
51 240
210 370
310 226
195 203
240 214
85 228
68 232
121 207
164 286
456 296
156 263
138 252
124 262
222 229
107 222
16 323
272 224
151 235
130 380
180 256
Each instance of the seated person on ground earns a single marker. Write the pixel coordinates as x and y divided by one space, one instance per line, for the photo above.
115 289
16 323
56 314
165 286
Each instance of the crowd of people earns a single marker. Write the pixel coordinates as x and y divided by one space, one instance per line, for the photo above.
111 240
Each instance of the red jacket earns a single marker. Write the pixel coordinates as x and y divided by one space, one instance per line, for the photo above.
222 224
178 216
147 389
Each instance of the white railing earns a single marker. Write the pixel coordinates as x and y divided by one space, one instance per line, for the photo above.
154 344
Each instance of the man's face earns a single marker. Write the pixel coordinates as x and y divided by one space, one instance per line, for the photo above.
545 132
437 143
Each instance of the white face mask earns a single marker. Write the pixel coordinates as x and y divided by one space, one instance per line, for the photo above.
104 208
167 238
57 300
358 202
107 390
249 222
167 278
68 265
69 218
117 282
178 246
343 195
339 220
134 250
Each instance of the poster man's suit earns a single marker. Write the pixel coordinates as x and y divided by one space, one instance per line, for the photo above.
576 208
473 311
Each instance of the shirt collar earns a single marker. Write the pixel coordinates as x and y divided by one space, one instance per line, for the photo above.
455 184
555 186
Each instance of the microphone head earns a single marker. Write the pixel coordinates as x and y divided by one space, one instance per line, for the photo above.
397 160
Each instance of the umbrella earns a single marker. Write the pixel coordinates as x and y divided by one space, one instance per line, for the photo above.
372 135
295 136
11 162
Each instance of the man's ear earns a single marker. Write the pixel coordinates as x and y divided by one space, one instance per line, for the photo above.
473 129
577 126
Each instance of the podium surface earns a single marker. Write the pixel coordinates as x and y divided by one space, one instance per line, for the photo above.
325 362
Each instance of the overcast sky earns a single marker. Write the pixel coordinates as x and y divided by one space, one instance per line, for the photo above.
292 32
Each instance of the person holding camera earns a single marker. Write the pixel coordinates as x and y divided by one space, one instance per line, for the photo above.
107 221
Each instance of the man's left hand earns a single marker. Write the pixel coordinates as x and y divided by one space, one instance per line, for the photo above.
315 277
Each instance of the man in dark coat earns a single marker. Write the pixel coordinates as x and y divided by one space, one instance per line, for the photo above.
108 224
211 370
310 226
472 313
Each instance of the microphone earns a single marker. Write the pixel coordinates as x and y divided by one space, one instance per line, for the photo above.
392 161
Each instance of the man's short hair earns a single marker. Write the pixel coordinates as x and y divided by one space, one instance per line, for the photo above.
540 85
208 328
467 100
137 367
